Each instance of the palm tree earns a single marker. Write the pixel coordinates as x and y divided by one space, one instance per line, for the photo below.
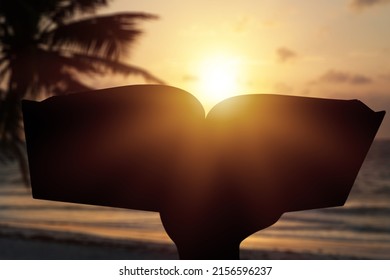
45 46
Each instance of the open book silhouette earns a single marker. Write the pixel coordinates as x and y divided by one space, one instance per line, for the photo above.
215 180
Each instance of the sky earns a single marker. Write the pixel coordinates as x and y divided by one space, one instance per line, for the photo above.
219 48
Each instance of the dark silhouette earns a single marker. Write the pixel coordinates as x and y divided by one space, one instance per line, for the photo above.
214 180
47 47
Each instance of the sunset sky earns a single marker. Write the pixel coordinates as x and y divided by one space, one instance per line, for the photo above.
218 48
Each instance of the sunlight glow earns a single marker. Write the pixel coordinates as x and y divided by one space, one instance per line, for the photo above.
219 79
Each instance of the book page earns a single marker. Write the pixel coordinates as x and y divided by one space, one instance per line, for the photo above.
118 147
289 153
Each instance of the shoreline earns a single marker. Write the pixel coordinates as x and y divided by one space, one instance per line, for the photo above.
35 244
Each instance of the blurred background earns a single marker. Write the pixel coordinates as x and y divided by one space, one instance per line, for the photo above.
213 49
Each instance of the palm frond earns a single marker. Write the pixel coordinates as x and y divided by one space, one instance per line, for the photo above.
52 73
116 67
53 61
107 36
70 84
68 8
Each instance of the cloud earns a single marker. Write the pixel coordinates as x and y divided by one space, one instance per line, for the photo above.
363 4
333 76
360 79
285 54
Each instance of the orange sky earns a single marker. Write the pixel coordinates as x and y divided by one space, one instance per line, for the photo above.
327 48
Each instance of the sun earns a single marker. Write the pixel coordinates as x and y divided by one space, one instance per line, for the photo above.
218 79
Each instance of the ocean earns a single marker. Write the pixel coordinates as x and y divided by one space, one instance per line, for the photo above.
360 229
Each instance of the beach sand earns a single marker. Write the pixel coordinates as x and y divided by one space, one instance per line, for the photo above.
31 244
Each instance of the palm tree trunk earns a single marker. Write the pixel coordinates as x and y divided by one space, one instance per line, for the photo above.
11 134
